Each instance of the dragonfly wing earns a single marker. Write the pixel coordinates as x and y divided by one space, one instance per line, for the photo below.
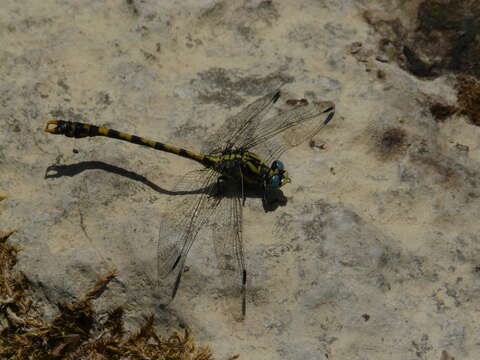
192 182
180 227
229 250
279 133
241 127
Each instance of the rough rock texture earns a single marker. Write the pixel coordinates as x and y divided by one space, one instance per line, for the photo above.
376 253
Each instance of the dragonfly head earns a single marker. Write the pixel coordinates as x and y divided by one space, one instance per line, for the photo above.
277 176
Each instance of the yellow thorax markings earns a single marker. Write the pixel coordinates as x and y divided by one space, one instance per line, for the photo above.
249 160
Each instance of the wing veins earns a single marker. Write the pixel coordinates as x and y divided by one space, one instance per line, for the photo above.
190 224
269 133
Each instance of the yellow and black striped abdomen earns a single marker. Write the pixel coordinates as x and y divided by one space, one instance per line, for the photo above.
81 130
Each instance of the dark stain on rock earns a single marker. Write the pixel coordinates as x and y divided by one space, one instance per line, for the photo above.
223 86
381 75
315 229
440 15
456 24
246 32
466 49
265 11
448 29
390 143
132 7
148 56
442 168
417 66
187 130
214 12
103 99
227 99
441 112
33 22
447 174
462 148
445 39
63 85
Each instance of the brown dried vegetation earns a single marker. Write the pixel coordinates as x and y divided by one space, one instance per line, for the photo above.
76 333
468 93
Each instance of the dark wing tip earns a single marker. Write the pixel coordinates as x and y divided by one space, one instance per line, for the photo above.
276 96
176 262
244 293
331 108
329 118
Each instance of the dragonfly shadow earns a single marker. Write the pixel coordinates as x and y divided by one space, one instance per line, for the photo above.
57 171
270 201
275 198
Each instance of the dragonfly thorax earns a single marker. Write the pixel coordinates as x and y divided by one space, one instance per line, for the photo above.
243 165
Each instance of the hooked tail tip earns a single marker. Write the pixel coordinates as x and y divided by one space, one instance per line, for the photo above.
53 130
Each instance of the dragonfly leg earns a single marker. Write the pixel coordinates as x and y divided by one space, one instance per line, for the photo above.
265 195
244 197
176 263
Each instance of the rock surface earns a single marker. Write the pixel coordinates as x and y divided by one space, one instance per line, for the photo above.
376 253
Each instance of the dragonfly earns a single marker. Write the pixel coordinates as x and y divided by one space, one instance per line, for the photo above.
242 155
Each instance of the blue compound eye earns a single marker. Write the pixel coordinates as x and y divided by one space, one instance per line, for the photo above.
274 181
277 164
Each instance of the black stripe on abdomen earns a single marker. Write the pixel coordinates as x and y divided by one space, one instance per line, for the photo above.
114 134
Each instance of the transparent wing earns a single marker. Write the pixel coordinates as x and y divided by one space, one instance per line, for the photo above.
180 226
229 250
240 127
192 182
279 133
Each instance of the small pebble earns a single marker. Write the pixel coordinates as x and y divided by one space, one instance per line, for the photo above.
462 147
382 58
355 47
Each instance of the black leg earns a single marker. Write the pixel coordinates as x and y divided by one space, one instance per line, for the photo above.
265 195
244 197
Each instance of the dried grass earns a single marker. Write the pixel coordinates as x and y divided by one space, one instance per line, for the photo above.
76 332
